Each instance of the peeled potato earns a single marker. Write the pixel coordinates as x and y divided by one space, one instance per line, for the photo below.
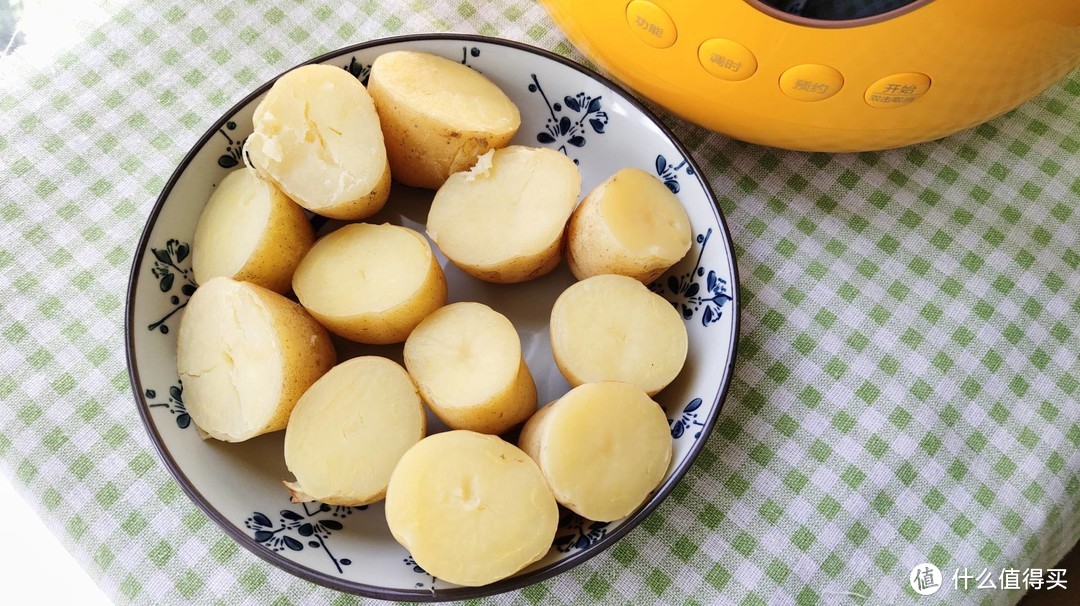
245 355
350 429
632 225
370 283
250 231
437 115
317 136
603 447
503 220
466 359
470 508
612 328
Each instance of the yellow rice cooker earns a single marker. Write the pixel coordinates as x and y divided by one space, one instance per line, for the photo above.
830 75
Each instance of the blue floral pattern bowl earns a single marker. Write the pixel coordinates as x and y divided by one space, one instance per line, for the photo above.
563 106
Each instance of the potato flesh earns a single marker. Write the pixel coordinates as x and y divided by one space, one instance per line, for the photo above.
612 328
318 137
245 355
231 225
603 447
470 508
645 217
453 94
350 429
466 359
514 208
362 268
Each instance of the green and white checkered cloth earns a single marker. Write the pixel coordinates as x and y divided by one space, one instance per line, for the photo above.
906 389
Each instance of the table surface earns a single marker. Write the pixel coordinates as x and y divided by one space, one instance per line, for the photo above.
907 376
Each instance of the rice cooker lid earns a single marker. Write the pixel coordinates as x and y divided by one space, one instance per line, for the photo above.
836 10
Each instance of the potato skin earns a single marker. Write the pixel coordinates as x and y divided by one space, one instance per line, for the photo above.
287 239
503 411
306 349
593 250
518 269
395 324
361 208
424 151
392 325
530 438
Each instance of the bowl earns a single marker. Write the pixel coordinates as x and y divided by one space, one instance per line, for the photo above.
563 106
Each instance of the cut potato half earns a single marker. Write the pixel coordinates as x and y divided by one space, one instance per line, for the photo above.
350 429
466 359
612 328
632 225
437 115
245 356
370 283
503 220
470 508
603 447
250 231
317 136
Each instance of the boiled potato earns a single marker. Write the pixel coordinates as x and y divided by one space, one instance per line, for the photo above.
350 429
250 231
370 283
317 136
503 220
612 328
466 359
245 356
603 447
632 225
470 508
437 115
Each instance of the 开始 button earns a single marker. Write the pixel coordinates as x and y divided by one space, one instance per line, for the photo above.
651 24
897 90
727 59
811 82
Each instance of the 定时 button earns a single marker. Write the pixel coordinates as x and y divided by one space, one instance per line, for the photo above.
727 59
651 24
897 90
811 82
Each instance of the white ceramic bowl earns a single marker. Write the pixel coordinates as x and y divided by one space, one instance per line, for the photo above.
563 106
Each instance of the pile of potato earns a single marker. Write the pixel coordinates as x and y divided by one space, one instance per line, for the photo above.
470 507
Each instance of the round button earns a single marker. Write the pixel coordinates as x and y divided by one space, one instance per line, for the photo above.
651 24
811 82
897 90
727 59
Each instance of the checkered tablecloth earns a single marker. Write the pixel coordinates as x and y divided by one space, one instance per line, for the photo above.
906 390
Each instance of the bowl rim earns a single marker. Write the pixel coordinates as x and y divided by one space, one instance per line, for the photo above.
454 593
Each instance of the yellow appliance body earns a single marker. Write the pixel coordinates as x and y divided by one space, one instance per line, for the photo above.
750 71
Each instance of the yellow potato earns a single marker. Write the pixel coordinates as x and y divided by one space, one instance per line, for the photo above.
317 136
612 328
466 360
350 429
437 115
470 508
632 225
250 231
603 447
503 220
245 355
370 283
